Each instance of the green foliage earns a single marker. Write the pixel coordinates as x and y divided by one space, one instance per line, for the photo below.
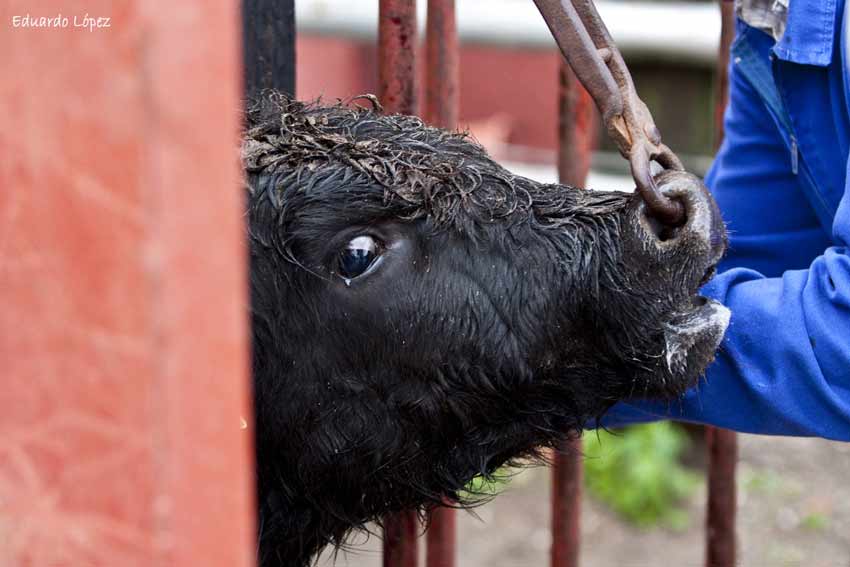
815 522
760 482
486 485
637 472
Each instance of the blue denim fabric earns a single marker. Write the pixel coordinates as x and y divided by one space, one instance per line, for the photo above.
809 37
781 180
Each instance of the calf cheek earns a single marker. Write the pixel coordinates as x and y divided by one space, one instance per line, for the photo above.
624 322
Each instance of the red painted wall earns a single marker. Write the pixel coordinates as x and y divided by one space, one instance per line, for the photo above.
517 87
123 331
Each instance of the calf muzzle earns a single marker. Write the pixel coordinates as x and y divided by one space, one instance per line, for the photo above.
702 230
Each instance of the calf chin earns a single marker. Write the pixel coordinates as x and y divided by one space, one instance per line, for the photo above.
422 316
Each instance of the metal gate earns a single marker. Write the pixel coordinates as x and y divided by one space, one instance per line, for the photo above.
124 430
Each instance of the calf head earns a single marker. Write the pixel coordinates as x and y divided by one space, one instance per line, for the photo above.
422 316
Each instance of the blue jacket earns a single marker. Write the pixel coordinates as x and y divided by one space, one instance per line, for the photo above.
781 179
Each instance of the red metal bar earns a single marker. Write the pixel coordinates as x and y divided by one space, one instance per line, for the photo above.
123 332
722 445
727 34
442 58
397 56
398 86
577 135
441 109
722 497
577 128
398 94
400 537
442 538
567 477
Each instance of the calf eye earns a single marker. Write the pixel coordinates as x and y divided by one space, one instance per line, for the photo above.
358 255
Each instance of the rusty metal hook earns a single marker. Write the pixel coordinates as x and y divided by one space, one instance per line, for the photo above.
589 50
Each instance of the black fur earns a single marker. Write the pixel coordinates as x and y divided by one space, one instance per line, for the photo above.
504 314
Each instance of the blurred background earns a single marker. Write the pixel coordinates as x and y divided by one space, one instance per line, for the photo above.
509 73
644 498
644 505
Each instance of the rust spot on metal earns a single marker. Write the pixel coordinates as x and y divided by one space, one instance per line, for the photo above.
397 56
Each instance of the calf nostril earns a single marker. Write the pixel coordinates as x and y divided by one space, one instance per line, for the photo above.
662 231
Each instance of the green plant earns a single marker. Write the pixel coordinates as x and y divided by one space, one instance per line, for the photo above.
638 473
815 522
760 481
486 487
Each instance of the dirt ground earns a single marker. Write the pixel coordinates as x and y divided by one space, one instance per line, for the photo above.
793 510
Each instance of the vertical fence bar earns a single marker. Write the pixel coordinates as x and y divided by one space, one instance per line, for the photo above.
567 477
400 533
268 40
441 109
398 87
721 444
727 34
441 58
576 137
397 78
576 129
442 538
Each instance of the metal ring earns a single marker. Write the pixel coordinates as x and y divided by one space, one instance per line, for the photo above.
663 208
668 159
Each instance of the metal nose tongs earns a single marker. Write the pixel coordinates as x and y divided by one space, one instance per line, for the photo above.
589 50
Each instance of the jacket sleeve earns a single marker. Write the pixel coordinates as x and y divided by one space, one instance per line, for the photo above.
784 365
